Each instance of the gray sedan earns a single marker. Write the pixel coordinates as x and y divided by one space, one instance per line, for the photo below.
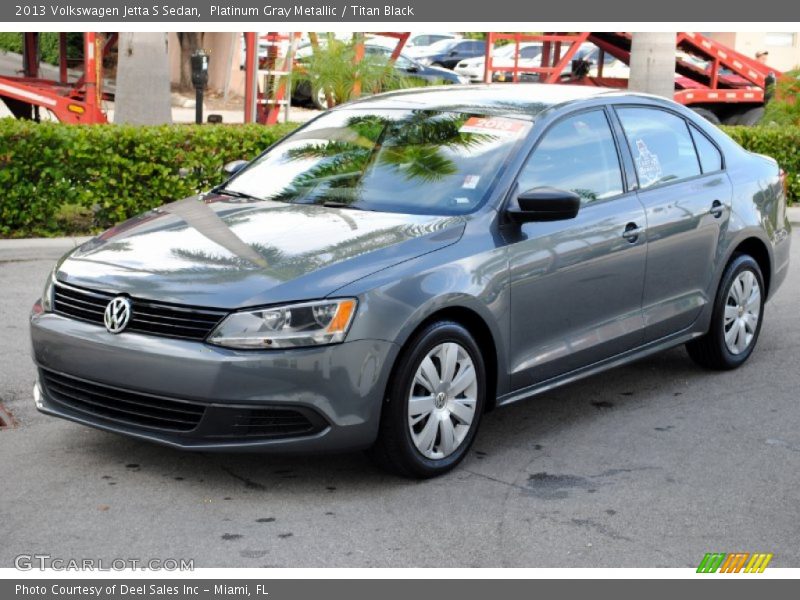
400 266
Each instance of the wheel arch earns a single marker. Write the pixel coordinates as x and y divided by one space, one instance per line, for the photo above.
758 249
475 323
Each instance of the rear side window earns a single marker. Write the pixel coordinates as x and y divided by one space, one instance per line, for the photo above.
661 144
576 154
710 157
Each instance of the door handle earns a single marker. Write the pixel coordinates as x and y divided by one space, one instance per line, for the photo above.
716 209
632 232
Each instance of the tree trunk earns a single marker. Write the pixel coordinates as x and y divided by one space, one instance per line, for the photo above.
653 63
189 41
143 94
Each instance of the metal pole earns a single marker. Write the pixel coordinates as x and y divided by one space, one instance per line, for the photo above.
90 73
198 106
250 84
62 57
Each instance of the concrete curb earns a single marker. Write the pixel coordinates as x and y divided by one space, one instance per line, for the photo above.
28 249
794 214
32 243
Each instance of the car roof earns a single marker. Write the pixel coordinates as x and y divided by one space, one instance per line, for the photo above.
521 99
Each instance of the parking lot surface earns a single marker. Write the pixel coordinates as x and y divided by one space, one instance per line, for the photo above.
649 465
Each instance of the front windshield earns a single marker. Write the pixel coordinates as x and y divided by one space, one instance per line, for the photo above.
407 161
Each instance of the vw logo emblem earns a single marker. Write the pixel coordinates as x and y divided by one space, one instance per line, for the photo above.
117 314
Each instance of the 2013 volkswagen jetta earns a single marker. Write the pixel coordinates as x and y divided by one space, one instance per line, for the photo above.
392 270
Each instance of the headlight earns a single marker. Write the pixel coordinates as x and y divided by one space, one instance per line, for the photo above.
47 293
291 326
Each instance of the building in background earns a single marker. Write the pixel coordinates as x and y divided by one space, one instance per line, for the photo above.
783 47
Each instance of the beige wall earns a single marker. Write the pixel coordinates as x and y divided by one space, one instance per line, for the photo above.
748 43
225 51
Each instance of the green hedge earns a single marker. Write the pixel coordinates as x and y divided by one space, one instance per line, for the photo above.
58 179
48 45
781 143
51 173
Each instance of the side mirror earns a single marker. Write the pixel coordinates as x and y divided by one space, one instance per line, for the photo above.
232 168
545 204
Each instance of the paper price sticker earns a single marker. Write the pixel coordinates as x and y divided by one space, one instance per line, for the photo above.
494 126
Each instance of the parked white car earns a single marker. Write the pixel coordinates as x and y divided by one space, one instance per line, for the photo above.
503 56
417 43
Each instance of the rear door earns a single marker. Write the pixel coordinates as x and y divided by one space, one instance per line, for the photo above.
687 196
576 285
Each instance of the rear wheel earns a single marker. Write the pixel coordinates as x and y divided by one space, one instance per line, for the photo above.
434 404
707 115
736 320
751 117
320 99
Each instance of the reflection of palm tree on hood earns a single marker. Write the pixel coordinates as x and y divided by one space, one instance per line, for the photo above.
202 217
411 146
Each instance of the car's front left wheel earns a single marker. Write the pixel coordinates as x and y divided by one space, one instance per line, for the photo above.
434 403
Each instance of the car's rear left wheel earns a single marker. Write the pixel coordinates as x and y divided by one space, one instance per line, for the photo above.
736 320
434 403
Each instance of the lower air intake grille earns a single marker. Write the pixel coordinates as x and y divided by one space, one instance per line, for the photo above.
124 406
269 422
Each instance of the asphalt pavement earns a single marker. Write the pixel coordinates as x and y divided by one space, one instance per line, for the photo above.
649 465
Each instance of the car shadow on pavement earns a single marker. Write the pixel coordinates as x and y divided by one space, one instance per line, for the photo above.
663 377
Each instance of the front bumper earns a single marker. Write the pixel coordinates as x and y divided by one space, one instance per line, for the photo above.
338 388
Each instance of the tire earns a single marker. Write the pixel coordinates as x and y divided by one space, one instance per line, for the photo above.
707 115
421 445
733 118
319 99
723 348
751 117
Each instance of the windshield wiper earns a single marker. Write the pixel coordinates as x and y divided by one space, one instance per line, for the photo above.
235 194
337 204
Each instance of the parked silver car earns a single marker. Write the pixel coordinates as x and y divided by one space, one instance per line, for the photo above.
399 266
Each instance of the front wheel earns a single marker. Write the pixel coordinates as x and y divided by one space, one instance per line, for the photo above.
736 320
434 403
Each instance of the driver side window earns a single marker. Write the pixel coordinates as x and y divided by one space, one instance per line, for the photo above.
577 154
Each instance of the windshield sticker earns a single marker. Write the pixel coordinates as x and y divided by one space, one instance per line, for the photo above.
471 182
647 164
494 125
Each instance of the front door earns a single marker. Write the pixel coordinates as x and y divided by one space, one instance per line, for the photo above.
576 285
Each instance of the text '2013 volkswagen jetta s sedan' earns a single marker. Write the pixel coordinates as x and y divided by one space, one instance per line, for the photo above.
389 272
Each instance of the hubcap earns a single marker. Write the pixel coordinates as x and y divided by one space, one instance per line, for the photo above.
442 400
742 311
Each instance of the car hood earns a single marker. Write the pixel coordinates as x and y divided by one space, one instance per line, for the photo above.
223 252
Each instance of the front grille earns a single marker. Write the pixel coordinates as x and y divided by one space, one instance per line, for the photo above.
153 318
123 406
269 422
